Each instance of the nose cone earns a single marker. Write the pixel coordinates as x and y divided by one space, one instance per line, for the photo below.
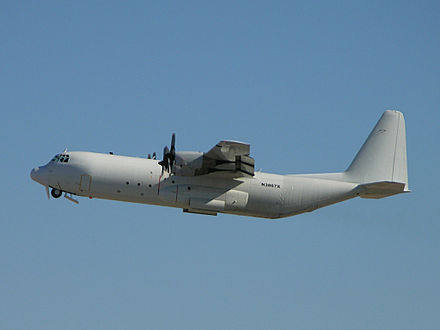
40 175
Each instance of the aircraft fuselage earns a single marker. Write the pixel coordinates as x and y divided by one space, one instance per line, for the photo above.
142 180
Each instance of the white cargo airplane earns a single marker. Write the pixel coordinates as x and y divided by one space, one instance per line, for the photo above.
223 179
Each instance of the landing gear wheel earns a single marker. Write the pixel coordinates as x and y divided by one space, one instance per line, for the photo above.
56 193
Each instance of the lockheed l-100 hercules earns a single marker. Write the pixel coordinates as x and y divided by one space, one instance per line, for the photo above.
223 180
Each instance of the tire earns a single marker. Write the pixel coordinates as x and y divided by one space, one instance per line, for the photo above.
56 193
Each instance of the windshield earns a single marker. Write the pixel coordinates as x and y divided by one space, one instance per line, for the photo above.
62 158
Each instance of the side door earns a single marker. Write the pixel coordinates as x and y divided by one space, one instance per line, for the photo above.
85 184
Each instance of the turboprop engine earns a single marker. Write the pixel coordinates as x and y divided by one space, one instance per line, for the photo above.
188 162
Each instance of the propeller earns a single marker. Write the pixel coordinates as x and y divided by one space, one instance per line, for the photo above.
169 156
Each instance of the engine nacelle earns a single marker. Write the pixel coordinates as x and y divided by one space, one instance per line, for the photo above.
188 162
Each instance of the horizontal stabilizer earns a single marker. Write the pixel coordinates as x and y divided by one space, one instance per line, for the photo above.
380 189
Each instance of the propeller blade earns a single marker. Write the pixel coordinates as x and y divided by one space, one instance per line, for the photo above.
169 156
165 162
172 156
47 192
173 143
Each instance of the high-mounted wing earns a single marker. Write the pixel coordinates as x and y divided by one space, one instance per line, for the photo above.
227 150
230 157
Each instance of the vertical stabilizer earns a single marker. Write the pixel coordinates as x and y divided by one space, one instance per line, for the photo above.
383 155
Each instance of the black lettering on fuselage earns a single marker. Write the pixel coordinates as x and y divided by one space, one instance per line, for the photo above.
270 185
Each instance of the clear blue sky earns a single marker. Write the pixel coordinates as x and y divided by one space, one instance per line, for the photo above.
303 82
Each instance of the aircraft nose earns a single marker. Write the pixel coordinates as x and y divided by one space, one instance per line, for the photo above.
40 175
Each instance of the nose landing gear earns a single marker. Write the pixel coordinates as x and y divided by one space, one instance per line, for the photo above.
56 193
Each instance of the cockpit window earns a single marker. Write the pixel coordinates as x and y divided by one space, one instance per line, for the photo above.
62 158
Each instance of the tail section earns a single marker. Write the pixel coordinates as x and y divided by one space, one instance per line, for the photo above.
382 158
